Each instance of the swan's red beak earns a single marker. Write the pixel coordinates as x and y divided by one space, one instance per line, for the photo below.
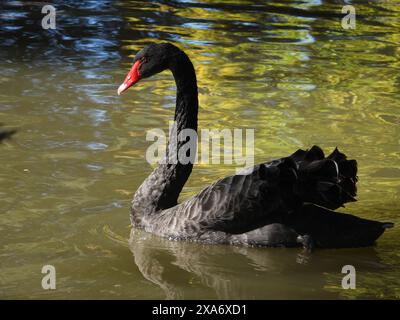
132 77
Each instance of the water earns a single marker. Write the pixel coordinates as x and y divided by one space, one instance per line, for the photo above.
286 69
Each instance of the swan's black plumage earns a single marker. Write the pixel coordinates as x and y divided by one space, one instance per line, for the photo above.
270 204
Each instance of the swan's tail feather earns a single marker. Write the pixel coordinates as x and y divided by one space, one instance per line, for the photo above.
326 181
347 171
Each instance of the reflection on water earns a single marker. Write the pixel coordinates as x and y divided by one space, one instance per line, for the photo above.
252 273
285 68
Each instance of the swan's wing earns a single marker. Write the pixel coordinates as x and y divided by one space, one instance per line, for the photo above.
264 195
241 203
233 205
273 190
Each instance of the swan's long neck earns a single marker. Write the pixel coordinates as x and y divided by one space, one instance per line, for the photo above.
162 187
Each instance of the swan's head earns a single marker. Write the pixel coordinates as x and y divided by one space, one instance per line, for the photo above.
150 60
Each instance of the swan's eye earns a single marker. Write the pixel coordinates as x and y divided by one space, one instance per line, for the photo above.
143 59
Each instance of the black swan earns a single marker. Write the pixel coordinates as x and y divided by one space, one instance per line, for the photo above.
285 202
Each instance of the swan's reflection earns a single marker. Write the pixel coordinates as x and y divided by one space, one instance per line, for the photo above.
185 270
